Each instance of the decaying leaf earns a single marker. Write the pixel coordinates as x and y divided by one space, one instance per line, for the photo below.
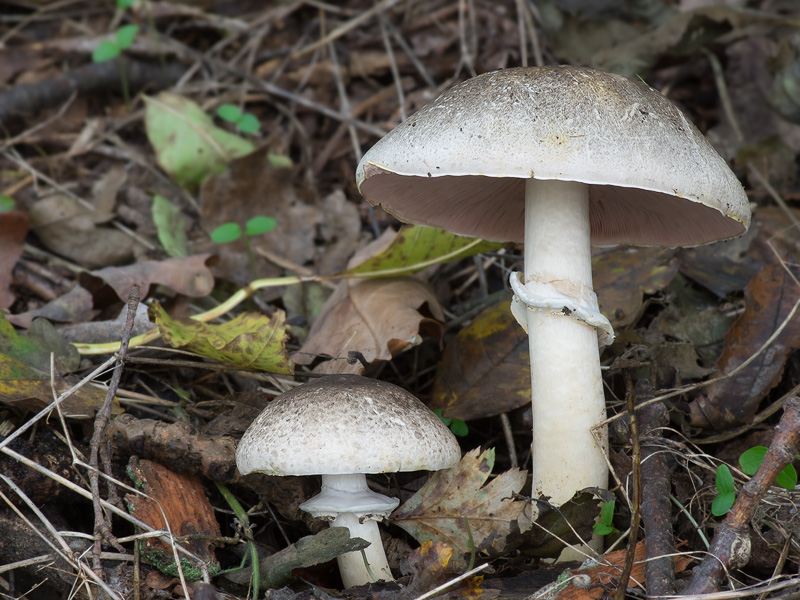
623 275
188 276
377 317
485 369
248 341
13 229
25 373
171 226
769 297
454 505
188 146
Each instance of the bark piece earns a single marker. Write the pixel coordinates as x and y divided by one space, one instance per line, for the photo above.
179 501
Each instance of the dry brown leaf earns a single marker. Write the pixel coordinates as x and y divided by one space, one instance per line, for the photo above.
604 577
377 317
13 229
68 228
485 369
623 275
454 505
769 297
188 276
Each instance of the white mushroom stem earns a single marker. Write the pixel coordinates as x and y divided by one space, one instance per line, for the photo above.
567 388
351 503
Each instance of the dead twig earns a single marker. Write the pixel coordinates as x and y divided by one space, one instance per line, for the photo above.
659 541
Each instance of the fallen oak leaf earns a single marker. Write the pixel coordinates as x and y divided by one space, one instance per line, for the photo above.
248 341
454 506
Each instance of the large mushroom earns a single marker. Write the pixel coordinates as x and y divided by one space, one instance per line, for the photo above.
341 427
558 158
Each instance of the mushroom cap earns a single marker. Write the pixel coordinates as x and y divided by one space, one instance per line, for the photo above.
343 424
460 163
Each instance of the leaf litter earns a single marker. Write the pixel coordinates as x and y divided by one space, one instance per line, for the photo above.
118 193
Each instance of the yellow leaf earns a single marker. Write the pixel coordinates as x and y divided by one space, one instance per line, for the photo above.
249 341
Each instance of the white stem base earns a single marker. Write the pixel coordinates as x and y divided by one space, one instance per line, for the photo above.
351 564
351 503
567 388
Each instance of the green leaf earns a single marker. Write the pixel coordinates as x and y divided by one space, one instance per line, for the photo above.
787 478
724 480
416 247
6 203
459 427
607 512
258 225
106 50
125 36
248 341
279 160
225 233
722 503
751 459
187 144
230 113
602 529
171 226
123 4
249 123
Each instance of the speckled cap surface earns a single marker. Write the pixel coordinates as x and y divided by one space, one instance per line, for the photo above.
460 163
346 424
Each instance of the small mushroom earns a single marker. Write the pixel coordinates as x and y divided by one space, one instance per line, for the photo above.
342 427
558 157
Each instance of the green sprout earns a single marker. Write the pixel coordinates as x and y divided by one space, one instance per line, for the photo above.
749 461
606 523
457 426
110 49
245 122
6 203
230 232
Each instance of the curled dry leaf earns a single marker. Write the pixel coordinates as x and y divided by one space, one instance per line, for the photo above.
377 317
454 505
248 341
769 298
188 276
